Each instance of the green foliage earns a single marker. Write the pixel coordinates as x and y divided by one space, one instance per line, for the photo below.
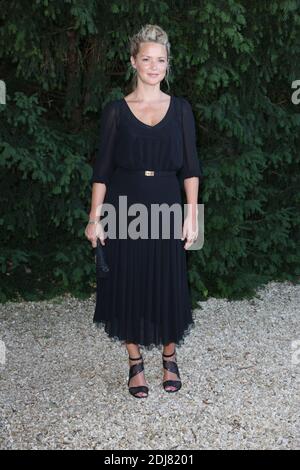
235 61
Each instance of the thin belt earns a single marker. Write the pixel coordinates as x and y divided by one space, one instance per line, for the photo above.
148 172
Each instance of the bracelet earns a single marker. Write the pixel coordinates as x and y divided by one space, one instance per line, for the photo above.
93 221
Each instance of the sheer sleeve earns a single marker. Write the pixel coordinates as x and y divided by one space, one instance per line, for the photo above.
191 163
104 163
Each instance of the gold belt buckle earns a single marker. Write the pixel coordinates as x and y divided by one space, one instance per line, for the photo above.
149 173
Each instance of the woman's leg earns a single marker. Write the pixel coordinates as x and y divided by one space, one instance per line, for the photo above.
139 379
168 349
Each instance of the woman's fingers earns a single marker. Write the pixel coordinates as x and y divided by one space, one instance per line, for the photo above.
190 233
183 232
100 234
92 232
191 236
102 241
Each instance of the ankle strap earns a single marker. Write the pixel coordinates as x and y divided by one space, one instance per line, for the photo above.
135 358
169 355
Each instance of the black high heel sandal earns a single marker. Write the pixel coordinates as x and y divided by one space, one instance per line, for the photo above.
134 370
171 366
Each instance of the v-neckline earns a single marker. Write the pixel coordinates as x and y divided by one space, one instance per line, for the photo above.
149 125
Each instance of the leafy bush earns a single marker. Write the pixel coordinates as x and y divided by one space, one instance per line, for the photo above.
235 61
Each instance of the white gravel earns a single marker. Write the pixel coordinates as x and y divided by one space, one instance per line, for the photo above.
64 382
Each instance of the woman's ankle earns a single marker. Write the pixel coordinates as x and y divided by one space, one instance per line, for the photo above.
133 351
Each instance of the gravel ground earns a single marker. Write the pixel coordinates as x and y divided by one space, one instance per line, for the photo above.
64 382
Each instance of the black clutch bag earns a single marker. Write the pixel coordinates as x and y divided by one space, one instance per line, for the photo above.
102 268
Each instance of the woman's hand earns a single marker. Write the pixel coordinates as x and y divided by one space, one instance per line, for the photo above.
190 230
94 231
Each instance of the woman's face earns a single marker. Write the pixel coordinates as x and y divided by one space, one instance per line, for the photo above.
151 62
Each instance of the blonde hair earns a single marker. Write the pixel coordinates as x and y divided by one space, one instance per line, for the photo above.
149 33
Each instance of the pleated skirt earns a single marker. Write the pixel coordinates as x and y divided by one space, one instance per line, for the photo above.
146 298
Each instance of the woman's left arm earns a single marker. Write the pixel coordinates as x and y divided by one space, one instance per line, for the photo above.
190 174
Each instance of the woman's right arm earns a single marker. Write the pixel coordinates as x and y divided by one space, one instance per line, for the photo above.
103 169
94 231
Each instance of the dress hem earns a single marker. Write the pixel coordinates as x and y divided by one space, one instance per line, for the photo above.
101 324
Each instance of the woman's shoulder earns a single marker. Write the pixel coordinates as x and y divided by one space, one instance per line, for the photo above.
109 113
111 108
183 106
113 104
184 101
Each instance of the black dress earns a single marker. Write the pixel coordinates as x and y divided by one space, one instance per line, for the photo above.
146 299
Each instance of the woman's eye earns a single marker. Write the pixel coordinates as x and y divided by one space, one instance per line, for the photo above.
146 60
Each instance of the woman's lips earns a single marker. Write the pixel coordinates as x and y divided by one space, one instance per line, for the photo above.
153 74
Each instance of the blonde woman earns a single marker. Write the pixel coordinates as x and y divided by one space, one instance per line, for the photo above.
147 153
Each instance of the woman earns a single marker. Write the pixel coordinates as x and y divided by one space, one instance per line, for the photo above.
147 148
